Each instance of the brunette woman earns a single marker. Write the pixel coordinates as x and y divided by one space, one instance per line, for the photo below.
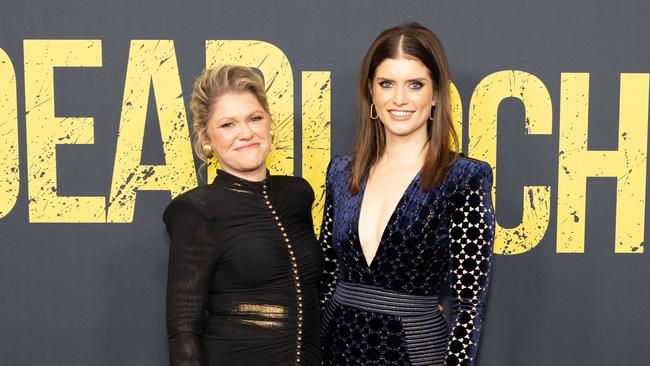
406 217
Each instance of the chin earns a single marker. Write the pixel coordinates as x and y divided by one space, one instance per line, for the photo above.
400 132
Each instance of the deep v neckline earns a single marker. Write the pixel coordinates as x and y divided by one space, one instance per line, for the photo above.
391 218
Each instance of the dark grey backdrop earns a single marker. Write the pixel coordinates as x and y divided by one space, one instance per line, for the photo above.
93 294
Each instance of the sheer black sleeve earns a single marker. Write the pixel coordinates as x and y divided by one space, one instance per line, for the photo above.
328 280
471 234
192 258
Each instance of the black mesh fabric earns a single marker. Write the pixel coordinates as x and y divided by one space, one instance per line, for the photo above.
231 291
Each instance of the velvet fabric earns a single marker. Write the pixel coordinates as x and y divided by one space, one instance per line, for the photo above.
436 239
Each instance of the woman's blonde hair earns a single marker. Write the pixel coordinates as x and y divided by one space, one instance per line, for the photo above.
212 84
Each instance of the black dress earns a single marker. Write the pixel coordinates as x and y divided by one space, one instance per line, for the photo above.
243 271
386 313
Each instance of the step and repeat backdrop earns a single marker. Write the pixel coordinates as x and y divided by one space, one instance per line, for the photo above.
95 141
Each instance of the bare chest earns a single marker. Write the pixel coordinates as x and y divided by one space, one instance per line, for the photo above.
383 192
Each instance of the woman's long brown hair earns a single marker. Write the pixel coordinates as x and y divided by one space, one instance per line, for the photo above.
414 41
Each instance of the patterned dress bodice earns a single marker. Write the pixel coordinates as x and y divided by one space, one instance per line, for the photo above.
434 240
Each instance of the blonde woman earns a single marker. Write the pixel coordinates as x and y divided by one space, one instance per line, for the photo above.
243 260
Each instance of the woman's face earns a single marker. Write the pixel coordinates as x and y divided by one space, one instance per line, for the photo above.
239 131
403 94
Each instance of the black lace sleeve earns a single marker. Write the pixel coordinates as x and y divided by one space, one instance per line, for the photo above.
471 238
192 258
328 280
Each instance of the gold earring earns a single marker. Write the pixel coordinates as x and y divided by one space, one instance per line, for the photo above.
207 150
433 108
372 107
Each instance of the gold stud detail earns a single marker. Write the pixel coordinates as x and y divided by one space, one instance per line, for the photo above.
294 266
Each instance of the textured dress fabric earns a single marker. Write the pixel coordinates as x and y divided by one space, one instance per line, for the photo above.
386 313
244 265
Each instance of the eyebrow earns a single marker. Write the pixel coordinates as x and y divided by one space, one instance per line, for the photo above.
258 111
389 79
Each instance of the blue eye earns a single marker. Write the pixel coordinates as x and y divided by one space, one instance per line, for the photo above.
416 85
256 118
385 84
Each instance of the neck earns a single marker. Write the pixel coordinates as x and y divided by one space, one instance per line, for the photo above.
404 150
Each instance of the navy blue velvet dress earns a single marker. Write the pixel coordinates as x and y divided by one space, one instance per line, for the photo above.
386 313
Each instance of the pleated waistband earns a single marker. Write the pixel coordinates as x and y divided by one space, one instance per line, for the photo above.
425 328
384 301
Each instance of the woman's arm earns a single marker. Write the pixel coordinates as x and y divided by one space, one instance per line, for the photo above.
192 258
471 237
328 279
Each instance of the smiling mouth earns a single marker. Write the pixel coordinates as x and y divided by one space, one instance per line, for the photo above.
400 113
248 146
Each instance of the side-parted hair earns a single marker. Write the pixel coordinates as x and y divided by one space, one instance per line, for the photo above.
410 40
212 84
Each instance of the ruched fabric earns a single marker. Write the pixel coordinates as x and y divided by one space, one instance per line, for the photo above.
232 294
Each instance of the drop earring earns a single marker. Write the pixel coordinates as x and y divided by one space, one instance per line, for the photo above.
372 109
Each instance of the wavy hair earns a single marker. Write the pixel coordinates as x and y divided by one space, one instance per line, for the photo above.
212 84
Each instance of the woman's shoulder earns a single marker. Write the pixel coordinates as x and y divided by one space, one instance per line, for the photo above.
471 164
465 168
194 200
340 164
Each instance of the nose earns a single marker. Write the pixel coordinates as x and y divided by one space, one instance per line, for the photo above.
245 132
399 96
